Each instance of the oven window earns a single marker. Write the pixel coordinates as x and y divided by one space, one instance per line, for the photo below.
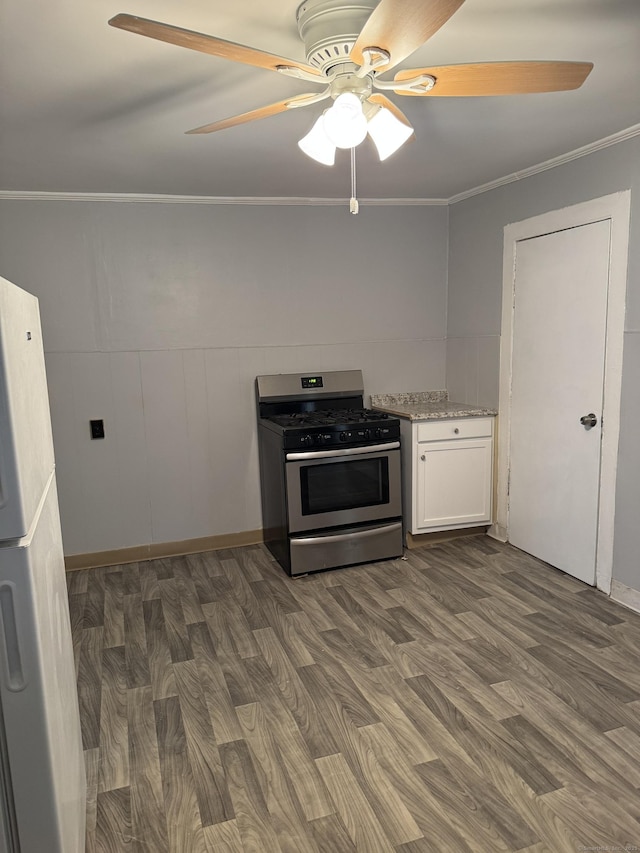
344 485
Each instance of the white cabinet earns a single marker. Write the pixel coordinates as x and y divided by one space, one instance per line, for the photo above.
448 473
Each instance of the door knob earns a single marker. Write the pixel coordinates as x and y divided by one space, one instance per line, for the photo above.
589 420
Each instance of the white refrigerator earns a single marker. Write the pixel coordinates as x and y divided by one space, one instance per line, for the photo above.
42 781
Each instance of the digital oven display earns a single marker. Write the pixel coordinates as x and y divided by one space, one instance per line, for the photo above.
312 381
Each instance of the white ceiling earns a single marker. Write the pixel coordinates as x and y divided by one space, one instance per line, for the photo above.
88 108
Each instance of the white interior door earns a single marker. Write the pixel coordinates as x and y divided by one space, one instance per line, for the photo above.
558 361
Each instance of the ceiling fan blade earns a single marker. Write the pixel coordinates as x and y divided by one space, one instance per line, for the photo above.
383 101
499 78
207 44
402 26
254 115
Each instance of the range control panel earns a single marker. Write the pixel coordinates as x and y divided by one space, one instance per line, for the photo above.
337 437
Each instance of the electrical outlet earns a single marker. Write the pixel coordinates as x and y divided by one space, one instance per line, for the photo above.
97 429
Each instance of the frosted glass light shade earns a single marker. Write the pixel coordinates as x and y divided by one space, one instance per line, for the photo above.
387 132
345 123
317 145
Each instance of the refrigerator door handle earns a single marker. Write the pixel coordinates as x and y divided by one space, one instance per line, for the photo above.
13 673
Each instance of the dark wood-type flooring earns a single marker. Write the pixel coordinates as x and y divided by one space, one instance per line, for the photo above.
466 698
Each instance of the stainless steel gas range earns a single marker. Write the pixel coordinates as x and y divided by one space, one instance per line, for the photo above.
330 472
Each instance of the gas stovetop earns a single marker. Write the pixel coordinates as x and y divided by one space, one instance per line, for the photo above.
334 427
326 409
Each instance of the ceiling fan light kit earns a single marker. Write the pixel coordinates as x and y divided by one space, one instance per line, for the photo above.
347 45
345 123
388 133
317 145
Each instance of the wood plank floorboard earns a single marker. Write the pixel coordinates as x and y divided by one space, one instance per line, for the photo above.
466 698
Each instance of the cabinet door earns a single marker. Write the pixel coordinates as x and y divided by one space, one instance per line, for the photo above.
453 483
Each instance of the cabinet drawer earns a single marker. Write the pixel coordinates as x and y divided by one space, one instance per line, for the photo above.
441 430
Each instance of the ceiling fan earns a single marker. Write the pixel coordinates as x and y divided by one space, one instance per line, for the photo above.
348 45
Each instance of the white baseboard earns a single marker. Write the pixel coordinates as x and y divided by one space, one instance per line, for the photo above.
497 531
625 595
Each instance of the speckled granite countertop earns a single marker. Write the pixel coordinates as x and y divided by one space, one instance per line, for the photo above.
427 405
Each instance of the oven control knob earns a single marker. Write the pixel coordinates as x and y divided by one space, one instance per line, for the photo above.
306 439
377 433
345 436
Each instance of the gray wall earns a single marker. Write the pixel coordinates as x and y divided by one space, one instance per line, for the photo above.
475 299
158 317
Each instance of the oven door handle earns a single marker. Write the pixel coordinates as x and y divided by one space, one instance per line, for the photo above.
346 451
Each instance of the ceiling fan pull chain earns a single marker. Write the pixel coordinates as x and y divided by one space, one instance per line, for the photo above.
353 203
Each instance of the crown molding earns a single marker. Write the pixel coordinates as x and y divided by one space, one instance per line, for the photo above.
592 147
141 198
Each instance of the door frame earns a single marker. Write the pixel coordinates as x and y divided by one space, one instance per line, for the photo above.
616 208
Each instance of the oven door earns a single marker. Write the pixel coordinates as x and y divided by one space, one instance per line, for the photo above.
327 488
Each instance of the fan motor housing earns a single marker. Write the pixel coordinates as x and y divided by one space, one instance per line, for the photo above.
330 28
